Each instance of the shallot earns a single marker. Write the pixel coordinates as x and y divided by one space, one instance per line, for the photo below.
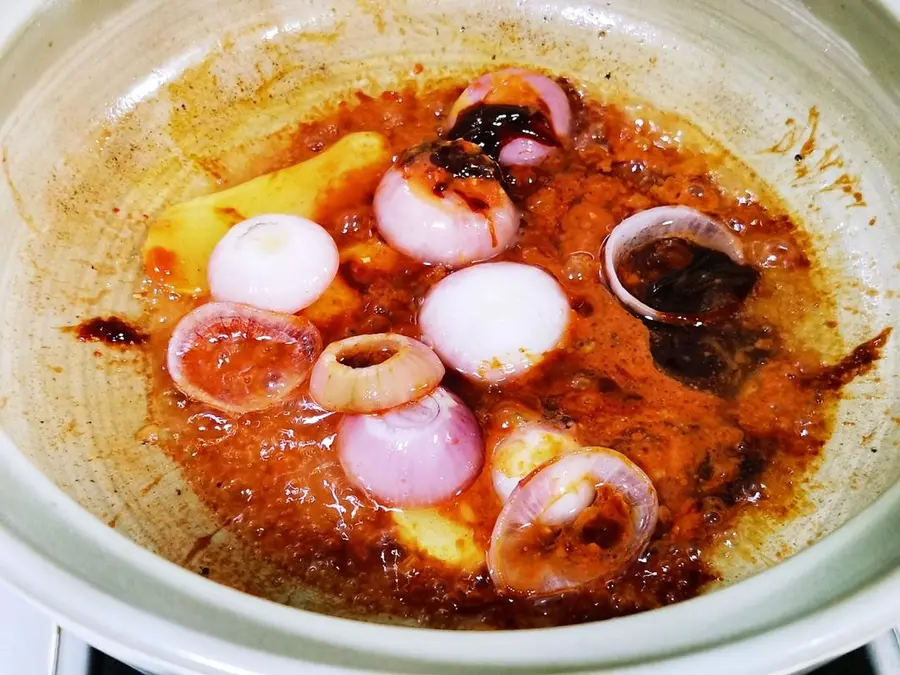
495 321
276 262
523 450
519 141
417 455
658 225
444 203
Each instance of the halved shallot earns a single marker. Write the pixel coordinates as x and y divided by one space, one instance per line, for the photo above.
688 268
417 455
369 373
494 321
523 450
583 517
238 358
516 115
444 203
277 262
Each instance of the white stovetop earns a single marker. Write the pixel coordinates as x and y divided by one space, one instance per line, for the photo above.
32 644
28 637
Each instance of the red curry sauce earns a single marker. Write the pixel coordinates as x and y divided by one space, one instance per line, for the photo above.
718 418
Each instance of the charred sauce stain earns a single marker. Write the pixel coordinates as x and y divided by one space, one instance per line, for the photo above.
746 486
787 141
152 484
857 362
716 358
804 170
701 289
462 160
830 159
793 134
112 330
849 185
812 126
200 545
491 126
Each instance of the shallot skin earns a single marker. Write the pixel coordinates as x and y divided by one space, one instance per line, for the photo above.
240 359
443 203
554 497
276 262
414 456
495 321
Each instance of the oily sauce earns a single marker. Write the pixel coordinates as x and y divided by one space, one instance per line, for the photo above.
721 418
677 276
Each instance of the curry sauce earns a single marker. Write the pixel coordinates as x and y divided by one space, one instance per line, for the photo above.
722 418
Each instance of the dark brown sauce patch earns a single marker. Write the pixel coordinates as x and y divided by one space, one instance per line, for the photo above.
112 330
462 162
856 363
717 358
677 276
491 126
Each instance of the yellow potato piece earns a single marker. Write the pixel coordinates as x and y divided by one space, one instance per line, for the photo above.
181 240
338 300
431 533
373 255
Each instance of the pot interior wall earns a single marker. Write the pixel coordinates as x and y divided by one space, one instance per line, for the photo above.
143 103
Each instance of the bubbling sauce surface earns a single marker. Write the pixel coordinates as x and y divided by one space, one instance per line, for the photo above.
721 419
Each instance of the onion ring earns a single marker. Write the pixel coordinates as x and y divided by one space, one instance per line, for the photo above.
370 373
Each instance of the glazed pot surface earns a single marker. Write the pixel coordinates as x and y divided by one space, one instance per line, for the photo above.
111 110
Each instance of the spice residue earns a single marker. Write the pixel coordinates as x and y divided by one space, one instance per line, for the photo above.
112 330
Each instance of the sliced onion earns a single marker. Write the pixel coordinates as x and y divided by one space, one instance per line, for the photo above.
523 450
418 455
495 321
515 86
581 518
658 223
238 359
449 216
277 262
369 373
